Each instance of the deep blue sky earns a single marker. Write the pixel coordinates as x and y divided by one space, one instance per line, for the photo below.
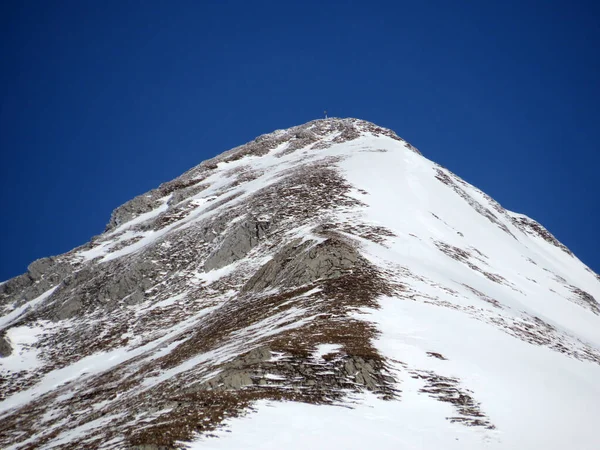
103 100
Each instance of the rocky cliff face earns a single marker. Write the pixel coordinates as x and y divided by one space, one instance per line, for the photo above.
259 276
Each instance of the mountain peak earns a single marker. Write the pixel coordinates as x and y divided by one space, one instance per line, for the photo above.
311 137
316 134
329 264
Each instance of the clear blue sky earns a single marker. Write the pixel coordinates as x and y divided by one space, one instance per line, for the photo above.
104 100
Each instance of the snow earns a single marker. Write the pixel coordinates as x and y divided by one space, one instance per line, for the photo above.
24 356
413 176
47 431
274 377
97 363
417 423
86 366
11 317
167 302
325 349
271 165
80 431
523 388
143 217
240 341
215 274
508 376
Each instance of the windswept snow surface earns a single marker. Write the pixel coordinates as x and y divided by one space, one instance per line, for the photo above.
536 397
415 423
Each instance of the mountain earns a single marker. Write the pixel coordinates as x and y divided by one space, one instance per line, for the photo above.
324 286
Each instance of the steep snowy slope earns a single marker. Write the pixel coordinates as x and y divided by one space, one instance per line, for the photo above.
322 286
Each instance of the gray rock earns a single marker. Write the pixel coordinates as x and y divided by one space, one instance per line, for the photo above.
362 371
15 289
110 286
41 275
237 243
257 355
235 380
68 308
39 267
237 373
179 196
133 208
301 263
5 347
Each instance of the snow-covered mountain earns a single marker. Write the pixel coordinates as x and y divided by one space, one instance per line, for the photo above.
324 286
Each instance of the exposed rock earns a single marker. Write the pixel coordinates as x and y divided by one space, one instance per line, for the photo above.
449 390
301 263
68 308
362 371
42 274
530 226
15 288
180 195
237 243
40 267
5 347
133 208
256 369
585 299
